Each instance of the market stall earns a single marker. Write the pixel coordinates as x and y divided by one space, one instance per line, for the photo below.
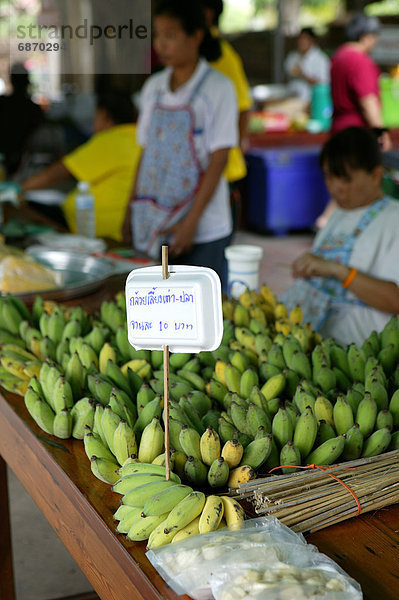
57 474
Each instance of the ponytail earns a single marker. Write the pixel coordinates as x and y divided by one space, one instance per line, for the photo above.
210 47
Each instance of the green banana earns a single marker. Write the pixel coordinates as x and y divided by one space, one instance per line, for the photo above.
151 442
139 495
257 417
94 446
378 393
109 422
328 452
75 374
384 419
377 443
62 425
353 397
356 362
325 378
185 511
248 380
149 411
257 452
142 528
195 471
165 500
103 469
193 379
300 364
325 432
305 432
43 414
239 417
138 468
353 443
124 442
177 360
128 483
290 455
218 473
130 517
273 387
290 345
394 408
366 414
225 430
190 441
200 401
82 415
275 357
343 415
282 427
302 399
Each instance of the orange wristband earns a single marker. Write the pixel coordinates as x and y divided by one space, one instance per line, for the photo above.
351 276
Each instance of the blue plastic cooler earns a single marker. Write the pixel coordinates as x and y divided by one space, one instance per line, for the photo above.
286 189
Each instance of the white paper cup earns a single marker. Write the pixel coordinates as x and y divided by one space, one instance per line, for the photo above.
243 263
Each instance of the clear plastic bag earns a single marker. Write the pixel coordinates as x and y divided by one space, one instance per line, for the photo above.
205 566
188 565
321 579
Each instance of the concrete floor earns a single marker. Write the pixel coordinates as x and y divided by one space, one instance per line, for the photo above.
43 568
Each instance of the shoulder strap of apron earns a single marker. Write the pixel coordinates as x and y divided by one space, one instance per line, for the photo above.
366 219
194 91
199 84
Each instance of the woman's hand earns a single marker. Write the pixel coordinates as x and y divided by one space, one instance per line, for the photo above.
182 235
309 265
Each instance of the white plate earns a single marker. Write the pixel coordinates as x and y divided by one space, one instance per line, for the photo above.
70 241
48 197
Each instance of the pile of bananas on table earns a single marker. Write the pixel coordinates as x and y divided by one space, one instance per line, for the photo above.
273 394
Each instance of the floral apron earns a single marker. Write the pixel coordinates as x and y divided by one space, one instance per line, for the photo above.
169 174
318 295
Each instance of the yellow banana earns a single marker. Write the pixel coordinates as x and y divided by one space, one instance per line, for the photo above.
233 511
211 515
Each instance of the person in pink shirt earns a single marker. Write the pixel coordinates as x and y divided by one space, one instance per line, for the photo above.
354 80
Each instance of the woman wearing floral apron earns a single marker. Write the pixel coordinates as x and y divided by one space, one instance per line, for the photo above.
187 124
348 286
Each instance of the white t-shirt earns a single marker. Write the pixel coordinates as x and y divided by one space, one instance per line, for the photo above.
315 64
375 252
216 127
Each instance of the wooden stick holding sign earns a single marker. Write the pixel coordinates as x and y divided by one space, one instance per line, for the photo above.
165 275
173 311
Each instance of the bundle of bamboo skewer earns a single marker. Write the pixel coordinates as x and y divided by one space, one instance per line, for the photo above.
312 499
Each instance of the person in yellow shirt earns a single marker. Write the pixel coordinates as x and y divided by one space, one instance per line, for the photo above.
108 162
230 64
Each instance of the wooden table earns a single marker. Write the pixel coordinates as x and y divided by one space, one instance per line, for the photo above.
56 473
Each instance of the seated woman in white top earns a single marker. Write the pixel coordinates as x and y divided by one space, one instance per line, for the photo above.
348 285
188 121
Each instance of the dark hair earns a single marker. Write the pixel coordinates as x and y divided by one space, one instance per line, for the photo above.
118 106
308 31
216 6
353 148
361 25
190 14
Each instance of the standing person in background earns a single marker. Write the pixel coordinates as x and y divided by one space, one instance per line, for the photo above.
354 80
187 126
307 65
230 64
19 118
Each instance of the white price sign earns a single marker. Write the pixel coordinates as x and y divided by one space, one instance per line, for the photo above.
183 312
